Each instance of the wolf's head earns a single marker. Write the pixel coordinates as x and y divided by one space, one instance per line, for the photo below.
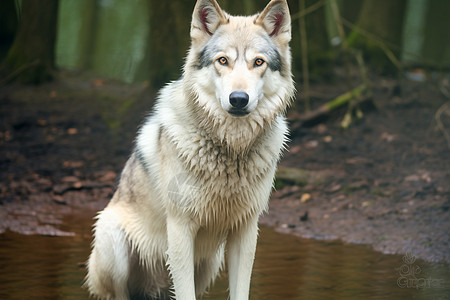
239 68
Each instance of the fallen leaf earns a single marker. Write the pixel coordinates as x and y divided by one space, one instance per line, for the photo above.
328 139
99 82
305 197
78 185
367 203
41 122
72 131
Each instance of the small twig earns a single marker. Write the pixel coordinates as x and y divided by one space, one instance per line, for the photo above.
356 95
363 71
308 10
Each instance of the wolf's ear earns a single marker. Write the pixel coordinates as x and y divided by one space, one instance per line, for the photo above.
276 20
207 16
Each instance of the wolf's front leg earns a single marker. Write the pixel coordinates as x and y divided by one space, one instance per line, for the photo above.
108 265
181 232
241 253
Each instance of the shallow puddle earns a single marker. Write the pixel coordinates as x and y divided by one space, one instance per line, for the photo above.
286 267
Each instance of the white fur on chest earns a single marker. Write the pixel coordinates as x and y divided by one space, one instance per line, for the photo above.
227 187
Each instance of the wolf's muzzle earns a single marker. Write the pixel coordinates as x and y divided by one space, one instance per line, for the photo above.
238 101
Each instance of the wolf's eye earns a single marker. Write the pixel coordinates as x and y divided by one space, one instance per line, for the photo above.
223 61
259 62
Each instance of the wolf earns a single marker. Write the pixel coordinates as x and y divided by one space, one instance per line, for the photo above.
203 166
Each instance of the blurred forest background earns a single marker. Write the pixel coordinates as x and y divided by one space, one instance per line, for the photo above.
146 40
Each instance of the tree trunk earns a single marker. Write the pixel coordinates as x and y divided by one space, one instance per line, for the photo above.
169 39
31 57
319 51
76 34
8 25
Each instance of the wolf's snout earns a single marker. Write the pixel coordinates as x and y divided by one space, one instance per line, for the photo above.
238 99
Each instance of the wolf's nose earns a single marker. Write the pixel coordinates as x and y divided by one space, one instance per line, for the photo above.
238 99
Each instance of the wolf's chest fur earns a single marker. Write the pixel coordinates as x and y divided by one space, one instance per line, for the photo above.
225 186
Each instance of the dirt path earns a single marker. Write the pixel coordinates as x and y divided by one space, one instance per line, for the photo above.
383 182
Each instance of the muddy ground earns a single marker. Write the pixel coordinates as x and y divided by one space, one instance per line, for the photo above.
385 181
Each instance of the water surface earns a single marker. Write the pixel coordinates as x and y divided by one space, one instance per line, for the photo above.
286 267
